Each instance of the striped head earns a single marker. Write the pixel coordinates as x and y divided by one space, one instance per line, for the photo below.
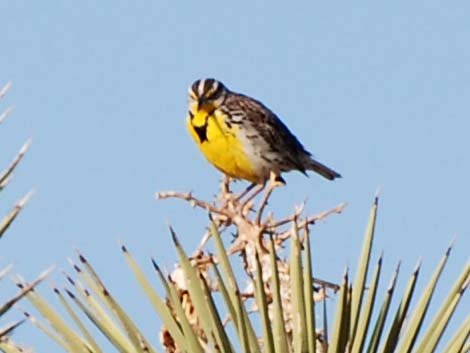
207 93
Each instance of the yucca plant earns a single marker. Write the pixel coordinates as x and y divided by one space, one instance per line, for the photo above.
250 296
7 174
6 344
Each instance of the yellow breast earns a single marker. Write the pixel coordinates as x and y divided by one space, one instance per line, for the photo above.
219 143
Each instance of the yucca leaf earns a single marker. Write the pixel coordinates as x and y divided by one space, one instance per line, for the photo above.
308 295
10 217
361 273
380 323
93 286
233 290
262 303
457 343
97 314
6 331
48 331
25 290
186 340
347 319
5 271
218 328
437 327
138 340
241 326
226 279
280 337
417 317
86 333
297 289
227 270
224 291
326 338
196 291
6 174
465 348
339 336
3 91
133 333
7 346
102 321
401 313
72 341
363 326
233 312
5 114
158 304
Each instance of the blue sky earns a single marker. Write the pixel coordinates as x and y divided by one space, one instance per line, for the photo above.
380 92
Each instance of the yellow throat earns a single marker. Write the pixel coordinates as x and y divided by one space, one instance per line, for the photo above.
221 144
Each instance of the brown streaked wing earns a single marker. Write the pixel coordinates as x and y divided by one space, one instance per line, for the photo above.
276 134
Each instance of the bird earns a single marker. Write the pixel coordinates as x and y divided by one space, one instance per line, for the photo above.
243 138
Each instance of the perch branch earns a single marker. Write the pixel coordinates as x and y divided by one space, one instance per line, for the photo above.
193 201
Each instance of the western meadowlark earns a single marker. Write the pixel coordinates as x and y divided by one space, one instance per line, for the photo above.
243 138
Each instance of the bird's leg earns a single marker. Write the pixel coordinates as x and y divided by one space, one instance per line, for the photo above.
257 189
245 192
274 182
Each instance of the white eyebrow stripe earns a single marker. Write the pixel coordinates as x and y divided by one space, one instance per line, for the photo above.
200 88
215 86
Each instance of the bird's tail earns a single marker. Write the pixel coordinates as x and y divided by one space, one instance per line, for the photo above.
321 169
